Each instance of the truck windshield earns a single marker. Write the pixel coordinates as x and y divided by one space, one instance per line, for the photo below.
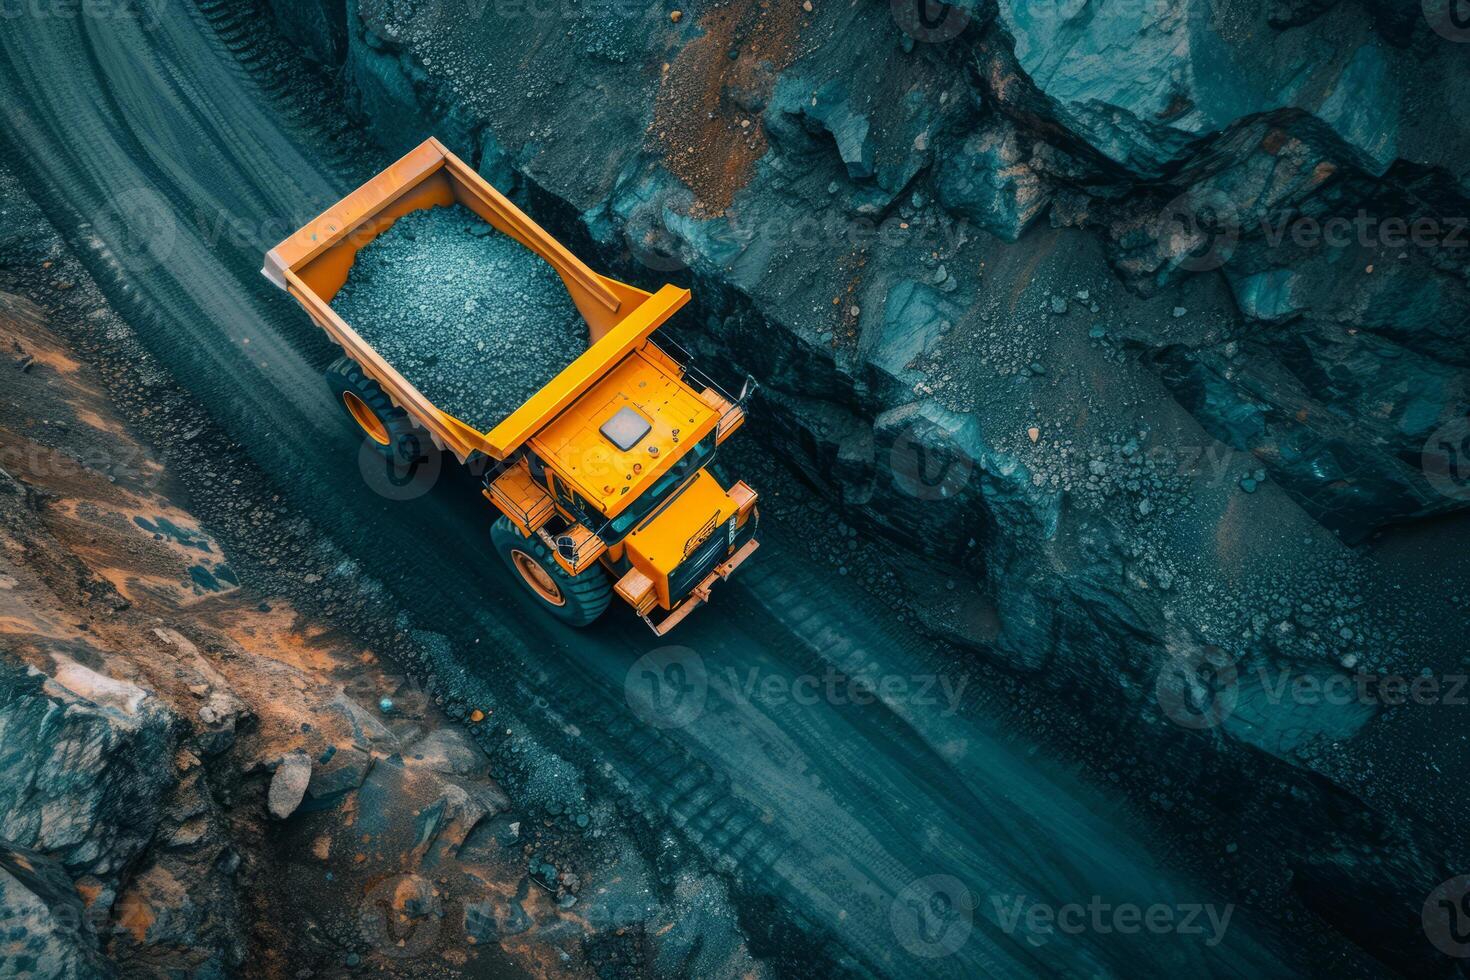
697 457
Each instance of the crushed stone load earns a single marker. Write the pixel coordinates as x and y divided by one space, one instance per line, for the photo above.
473 319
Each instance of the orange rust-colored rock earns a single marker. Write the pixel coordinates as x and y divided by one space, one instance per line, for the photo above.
696 118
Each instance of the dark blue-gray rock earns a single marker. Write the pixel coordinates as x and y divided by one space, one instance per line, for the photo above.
1140 82
915 318
367 731
318 26
488 922
334 775
1167 140
450 751
1294 13
701 937
831 108
989 181
46 930
87 760
1338 420
97 780
1287 712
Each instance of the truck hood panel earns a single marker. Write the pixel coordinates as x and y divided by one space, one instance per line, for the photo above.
678 529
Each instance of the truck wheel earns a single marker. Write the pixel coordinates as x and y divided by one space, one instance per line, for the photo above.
574 599
387 426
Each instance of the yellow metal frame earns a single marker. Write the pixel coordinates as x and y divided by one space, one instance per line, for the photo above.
589 369
313 263
603 475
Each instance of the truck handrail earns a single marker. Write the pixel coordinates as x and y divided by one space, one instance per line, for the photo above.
735 404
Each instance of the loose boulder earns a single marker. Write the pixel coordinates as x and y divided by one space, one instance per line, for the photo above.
288 785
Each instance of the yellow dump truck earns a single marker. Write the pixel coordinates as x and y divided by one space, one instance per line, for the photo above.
602 477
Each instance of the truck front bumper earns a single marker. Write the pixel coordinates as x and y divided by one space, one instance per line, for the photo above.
699 595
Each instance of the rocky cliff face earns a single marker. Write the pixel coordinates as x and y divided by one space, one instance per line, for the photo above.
114 728
1144 313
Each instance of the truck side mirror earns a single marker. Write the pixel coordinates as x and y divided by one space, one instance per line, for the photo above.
566 547
747 389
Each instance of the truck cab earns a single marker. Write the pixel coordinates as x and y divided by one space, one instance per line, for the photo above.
622 477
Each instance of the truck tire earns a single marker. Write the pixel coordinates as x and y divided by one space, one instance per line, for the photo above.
576 600
388 427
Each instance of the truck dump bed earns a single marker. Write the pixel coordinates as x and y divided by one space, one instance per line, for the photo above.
314 263
472 319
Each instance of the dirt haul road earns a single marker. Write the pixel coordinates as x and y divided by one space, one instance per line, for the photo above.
148 143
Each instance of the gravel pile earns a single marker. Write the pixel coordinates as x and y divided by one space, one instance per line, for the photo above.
471 318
